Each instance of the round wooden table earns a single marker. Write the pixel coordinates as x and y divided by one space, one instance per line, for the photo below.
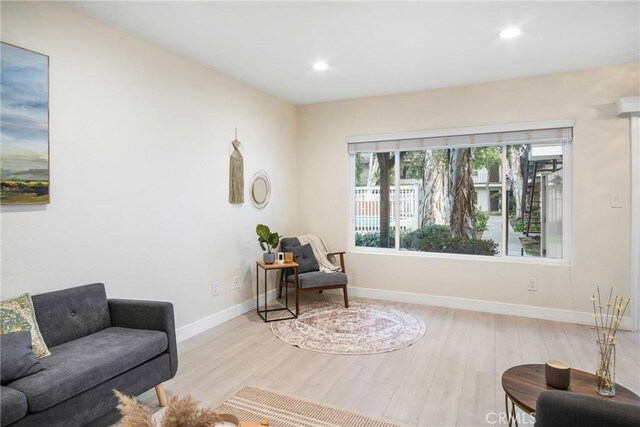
523 385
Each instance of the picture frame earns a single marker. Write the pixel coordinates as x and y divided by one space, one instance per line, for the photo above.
25 148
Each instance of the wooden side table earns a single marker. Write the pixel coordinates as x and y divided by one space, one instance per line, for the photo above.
275 267
523 385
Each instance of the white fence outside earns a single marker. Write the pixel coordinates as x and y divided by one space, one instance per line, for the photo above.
480 176
367 205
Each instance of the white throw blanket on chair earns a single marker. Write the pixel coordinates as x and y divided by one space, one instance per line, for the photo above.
320 251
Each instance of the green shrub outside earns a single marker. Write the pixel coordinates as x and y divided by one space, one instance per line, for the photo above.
437 238
482 221
372 239
460 245
518 225
432 238
433 234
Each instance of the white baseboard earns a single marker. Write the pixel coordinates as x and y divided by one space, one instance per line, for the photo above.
215 319
531 311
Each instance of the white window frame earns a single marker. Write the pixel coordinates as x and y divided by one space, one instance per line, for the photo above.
567 164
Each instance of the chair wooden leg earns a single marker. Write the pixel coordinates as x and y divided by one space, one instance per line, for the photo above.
162 398
346 297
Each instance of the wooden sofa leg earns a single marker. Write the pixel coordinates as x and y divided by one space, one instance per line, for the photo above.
162 398
346 297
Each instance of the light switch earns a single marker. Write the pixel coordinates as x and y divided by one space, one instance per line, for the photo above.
616 200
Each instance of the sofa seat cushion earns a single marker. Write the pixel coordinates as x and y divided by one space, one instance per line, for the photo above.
13 405
319 278
84 363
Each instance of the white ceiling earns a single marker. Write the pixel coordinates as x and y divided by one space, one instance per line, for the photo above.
377 48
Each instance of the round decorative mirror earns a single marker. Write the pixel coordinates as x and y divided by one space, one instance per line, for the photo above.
260 189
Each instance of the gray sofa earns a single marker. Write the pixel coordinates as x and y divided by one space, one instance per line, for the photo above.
97 345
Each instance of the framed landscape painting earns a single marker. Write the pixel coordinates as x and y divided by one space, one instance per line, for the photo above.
24 127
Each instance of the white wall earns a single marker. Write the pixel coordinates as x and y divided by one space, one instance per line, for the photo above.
139 144
601 167
139 165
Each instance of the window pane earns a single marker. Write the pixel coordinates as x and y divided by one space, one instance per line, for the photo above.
536 200
375 200
488 173
458 194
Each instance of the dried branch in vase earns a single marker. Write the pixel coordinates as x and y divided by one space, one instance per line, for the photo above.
608 317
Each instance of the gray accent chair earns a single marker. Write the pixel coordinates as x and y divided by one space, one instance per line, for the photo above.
97 345
313 280
566 409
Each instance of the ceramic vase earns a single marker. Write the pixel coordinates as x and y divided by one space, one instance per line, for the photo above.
269 258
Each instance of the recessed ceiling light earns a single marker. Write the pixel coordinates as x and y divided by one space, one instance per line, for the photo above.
320 66
509 33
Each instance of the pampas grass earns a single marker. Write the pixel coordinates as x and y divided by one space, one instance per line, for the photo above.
133 413
182 412
185 413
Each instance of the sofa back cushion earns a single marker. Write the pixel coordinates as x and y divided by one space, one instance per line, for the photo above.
72 313
305 258
286 243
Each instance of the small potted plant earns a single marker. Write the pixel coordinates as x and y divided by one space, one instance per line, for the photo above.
268 241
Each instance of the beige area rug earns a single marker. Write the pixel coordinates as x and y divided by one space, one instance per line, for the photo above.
255 404
363 328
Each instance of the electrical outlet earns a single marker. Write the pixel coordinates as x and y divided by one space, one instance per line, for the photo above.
616 200
532 284
215 288
236 282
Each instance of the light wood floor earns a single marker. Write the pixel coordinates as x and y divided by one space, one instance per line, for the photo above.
450 377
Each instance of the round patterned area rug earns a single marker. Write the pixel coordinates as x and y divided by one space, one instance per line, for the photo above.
363 328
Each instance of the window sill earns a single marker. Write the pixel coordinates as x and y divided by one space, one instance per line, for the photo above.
439 255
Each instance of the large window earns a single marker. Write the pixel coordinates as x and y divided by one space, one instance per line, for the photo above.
490 194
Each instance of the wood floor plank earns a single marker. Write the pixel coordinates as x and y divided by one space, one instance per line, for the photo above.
348 389
532 341
556 341
374 399
508 352
582 340
325 377
477 403
443 400
450 377
483 344
408 402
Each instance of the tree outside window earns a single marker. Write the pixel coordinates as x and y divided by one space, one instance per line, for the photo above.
450 200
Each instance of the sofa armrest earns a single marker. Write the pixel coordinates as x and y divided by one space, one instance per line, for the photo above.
566 409
13 405
152 315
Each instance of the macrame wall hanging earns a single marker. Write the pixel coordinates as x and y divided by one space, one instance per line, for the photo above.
236 173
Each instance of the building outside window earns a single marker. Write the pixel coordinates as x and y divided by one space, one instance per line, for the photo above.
499 194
